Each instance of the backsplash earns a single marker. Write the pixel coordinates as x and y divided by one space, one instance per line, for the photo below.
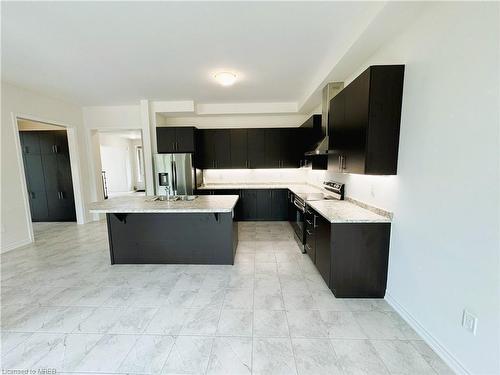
377 191
230 176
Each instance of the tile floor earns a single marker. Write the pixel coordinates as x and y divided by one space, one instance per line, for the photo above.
65 308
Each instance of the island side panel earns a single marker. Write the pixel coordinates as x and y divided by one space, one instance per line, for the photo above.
171 238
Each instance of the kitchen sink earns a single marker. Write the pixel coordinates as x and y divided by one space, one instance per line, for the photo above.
172 198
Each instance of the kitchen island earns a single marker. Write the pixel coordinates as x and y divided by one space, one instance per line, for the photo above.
146 231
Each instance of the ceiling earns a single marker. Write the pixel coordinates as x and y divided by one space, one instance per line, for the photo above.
111 53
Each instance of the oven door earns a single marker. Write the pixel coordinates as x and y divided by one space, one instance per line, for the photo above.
297 222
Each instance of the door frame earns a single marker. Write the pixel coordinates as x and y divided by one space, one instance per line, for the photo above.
95 166
74 158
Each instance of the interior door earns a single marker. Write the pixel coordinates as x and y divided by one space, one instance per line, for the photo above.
33 169
48 174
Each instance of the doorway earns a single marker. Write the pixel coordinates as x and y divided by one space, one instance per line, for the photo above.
122 163
47 168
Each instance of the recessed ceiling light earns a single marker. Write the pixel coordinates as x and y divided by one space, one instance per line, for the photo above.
225 78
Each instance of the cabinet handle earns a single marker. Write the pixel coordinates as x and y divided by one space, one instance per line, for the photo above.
343 162
340 163
309 232
308 247
314 221
309 222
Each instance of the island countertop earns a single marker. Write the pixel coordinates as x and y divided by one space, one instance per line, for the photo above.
143 204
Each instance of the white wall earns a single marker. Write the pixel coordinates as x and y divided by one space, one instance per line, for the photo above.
15 209
235 121
116 159
255 176
116 118
444 254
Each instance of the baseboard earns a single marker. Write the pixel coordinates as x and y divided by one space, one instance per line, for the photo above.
14 245
434 343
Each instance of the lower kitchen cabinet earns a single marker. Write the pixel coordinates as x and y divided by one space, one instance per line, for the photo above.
352 258
359 259
256 204
279 204
323 248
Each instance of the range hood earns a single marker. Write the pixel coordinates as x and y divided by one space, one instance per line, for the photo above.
329 91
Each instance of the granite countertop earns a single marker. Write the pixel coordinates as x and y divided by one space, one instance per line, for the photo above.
346 212
335 211
142 204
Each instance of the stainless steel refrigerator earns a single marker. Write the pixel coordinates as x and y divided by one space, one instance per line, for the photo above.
174 174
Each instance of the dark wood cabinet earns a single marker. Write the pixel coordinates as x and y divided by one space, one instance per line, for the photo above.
213 149
239 148
248 204
279 204
273 148
256 204
249 148
264 204
310 218
359 259
282 148
48 175
352 258
185 137
175 139
323 248
364 122
167 238
256 148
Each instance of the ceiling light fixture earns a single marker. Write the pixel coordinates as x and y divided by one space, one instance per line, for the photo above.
225 78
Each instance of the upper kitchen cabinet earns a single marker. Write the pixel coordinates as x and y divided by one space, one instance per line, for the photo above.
249 148
256 148
175 139
364 121
282 148
239 152
213 149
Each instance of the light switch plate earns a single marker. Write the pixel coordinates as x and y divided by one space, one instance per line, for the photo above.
469 322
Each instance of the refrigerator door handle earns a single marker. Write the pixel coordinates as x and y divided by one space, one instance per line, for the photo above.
174 170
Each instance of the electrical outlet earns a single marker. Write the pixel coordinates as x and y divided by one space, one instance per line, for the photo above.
469 322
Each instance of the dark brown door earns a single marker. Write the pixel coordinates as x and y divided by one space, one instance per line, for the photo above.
48 174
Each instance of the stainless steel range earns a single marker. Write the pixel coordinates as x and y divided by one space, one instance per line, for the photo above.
299 200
